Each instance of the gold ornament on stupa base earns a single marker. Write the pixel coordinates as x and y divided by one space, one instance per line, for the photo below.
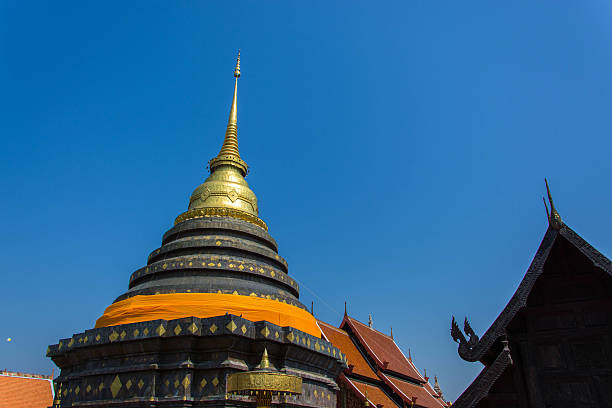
263 383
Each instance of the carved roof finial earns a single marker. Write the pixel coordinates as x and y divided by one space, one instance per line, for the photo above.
345 308
436 386
370 321
409 355
391 331
554 219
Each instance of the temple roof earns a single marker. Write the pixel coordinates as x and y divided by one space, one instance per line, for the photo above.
382 349
375 395
377 365
559 245
476 349
423 395
339 338
25 390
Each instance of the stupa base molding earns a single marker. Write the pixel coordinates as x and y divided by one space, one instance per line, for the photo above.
185 363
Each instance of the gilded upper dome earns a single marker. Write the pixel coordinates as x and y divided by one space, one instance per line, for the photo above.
225 192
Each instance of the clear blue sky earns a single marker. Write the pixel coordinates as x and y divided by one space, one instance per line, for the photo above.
398 151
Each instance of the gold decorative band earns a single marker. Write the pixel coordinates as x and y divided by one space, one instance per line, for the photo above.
264 381
220 212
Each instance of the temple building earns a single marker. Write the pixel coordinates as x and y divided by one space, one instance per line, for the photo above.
23 390
378 373
213 319
551 346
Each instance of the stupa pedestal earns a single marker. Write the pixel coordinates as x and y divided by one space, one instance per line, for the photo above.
186 362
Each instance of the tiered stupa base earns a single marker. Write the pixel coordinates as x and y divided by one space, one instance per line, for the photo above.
185 363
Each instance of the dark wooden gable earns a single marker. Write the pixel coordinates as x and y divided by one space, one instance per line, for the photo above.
552 344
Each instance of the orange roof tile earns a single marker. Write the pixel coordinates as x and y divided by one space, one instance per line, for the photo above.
25 392
382 348
376 395
409 390
340 339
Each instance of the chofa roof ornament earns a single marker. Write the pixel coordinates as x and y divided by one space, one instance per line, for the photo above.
554 219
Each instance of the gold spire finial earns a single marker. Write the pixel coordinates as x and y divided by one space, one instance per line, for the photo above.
554 219
265 362
237 69
229 154
225 193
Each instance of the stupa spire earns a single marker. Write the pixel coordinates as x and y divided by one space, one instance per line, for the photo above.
229 153
225 193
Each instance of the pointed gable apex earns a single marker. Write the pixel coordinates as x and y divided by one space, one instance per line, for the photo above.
476 349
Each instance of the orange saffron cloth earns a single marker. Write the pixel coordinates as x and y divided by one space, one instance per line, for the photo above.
170 306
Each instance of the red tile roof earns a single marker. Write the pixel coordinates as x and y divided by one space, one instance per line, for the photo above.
341 339
431 390
25 392
409 390
383 349
376 396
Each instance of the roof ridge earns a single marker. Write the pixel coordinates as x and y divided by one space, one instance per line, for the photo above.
332 327
6 373
371 328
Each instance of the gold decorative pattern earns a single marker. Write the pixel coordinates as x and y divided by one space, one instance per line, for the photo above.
113 336
123 334
140 384
177 329
231 326
215 381
136 333
160 330
264 380
203 383
186 381
128 384
213 328
220 212
193 328
265 331
290 337
244 329
115 386
88 388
